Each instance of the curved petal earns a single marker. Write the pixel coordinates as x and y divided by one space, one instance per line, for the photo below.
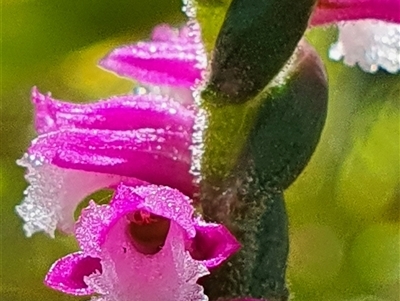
68 274
125 112
170 274
158 63
163 61
95 221
213 244
54 193
155 156
159 200
331 11
67 165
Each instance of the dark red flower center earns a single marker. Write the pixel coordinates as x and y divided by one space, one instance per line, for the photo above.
148 231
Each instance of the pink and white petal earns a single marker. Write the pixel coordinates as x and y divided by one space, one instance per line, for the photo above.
213 244
190 33
125 112
147 154
183 95
96 220
54 193
164 33
333 11
68 274
91 227
371 44
158 63
158 200
170 274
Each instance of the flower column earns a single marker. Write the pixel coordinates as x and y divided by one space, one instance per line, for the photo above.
265 106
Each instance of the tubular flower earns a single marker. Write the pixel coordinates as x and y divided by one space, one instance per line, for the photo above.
140 138
146 243
369 32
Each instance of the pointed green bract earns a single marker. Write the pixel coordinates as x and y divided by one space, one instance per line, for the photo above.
289 122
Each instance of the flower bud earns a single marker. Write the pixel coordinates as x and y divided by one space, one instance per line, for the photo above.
290 121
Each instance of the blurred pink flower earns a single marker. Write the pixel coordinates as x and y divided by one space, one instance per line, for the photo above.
172 62
369 32
146 243
143 137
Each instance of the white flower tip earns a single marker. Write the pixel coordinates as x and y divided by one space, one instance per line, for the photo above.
371 44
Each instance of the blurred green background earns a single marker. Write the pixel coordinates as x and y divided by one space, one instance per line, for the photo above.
344 208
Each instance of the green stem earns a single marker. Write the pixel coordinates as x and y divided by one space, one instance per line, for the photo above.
257 217
255 41
248 198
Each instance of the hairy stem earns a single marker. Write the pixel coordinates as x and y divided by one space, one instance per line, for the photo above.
256 215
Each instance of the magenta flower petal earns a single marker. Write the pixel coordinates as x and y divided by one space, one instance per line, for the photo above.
156 63
332 11
68 274
158 200
147 154
87 147
141 239
67 165
92 227
213 244
54 193
125 112
174 62
169 274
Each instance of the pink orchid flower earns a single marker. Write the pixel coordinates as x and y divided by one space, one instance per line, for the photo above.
141 137
369 32
146 243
